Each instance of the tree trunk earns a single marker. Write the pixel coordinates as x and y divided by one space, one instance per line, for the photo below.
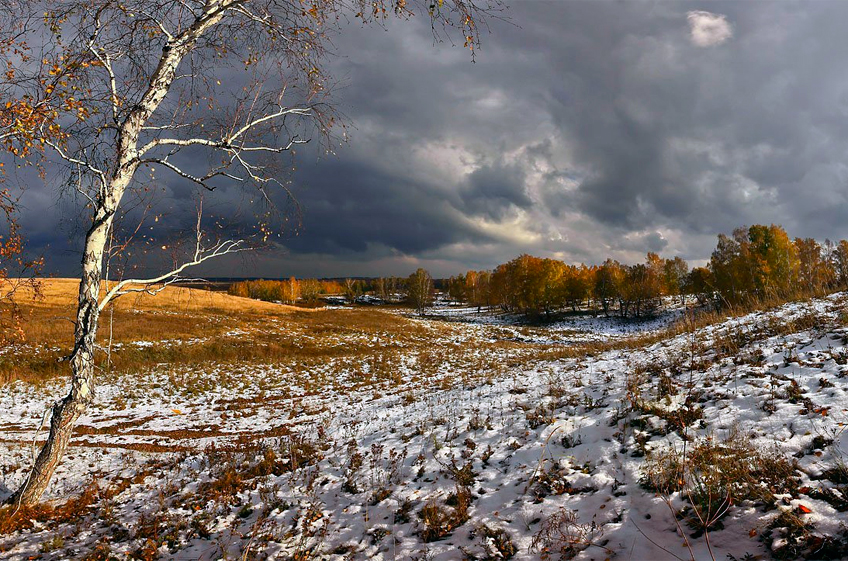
67 411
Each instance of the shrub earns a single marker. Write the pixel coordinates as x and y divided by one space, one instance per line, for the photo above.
714 476
440 520
562 536
497 543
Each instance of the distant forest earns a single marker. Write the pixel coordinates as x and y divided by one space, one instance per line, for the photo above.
753 265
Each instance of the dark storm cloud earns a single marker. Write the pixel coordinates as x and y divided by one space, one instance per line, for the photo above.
697 138
350 205
494 190
584 130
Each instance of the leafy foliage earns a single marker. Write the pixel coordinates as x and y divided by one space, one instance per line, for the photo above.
756 264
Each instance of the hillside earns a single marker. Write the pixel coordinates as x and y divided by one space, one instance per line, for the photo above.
353 434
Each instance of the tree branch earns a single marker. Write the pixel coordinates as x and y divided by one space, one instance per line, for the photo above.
226 143
130 285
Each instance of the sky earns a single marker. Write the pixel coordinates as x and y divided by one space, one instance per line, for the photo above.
583 130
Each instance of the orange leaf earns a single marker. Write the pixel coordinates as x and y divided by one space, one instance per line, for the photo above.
804 509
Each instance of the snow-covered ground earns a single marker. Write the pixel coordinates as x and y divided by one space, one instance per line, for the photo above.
580 327
614 454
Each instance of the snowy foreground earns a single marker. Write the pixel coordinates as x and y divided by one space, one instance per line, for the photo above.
627 454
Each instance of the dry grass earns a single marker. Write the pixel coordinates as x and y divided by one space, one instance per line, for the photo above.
14 518
63 292
176 311
189 324
191 328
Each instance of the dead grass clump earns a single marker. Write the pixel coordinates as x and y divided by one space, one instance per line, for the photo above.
157 530
238 466
497 543
562 537
728 342
808 321
665 472
541 416
440 520
76 510
227 483
837 474
715 476
463 476
554 481
792 537
33 368
102 551
677 420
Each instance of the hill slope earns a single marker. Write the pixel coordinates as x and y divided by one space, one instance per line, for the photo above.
455 441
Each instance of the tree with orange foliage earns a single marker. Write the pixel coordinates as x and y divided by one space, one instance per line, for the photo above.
578 285
814 270
756 263
609 279
419 290
840 264
477 288
674 277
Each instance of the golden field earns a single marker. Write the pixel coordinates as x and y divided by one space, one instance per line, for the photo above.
189 327
175 313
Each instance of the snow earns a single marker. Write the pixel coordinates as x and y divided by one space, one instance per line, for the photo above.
539 435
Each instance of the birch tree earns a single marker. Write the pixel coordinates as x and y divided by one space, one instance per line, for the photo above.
120 89
419 290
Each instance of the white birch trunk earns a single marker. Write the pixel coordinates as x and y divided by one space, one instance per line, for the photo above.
67 411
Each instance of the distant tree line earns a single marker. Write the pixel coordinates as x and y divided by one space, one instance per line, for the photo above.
289 291
418 290
535 286
755 264
309 291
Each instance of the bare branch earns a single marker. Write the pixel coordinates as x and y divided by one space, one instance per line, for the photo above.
226 143
106 61
199 180
80 163
142 285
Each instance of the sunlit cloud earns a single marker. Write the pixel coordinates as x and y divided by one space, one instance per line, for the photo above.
707 29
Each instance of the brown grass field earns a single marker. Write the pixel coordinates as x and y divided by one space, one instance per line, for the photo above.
185 327
48 317
189 328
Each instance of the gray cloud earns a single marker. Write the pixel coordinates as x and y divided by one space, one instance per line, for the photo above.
584 130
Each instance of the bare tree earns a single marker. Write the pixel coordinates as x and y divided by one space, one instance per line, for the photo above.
419 290
119 87
352 290
310 290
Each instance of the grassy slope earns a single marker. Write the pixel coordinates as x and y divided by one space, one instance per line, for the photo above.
180 326
468 408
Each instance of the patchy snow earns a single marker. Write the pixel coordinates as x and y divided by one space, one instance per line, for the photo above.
529 441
